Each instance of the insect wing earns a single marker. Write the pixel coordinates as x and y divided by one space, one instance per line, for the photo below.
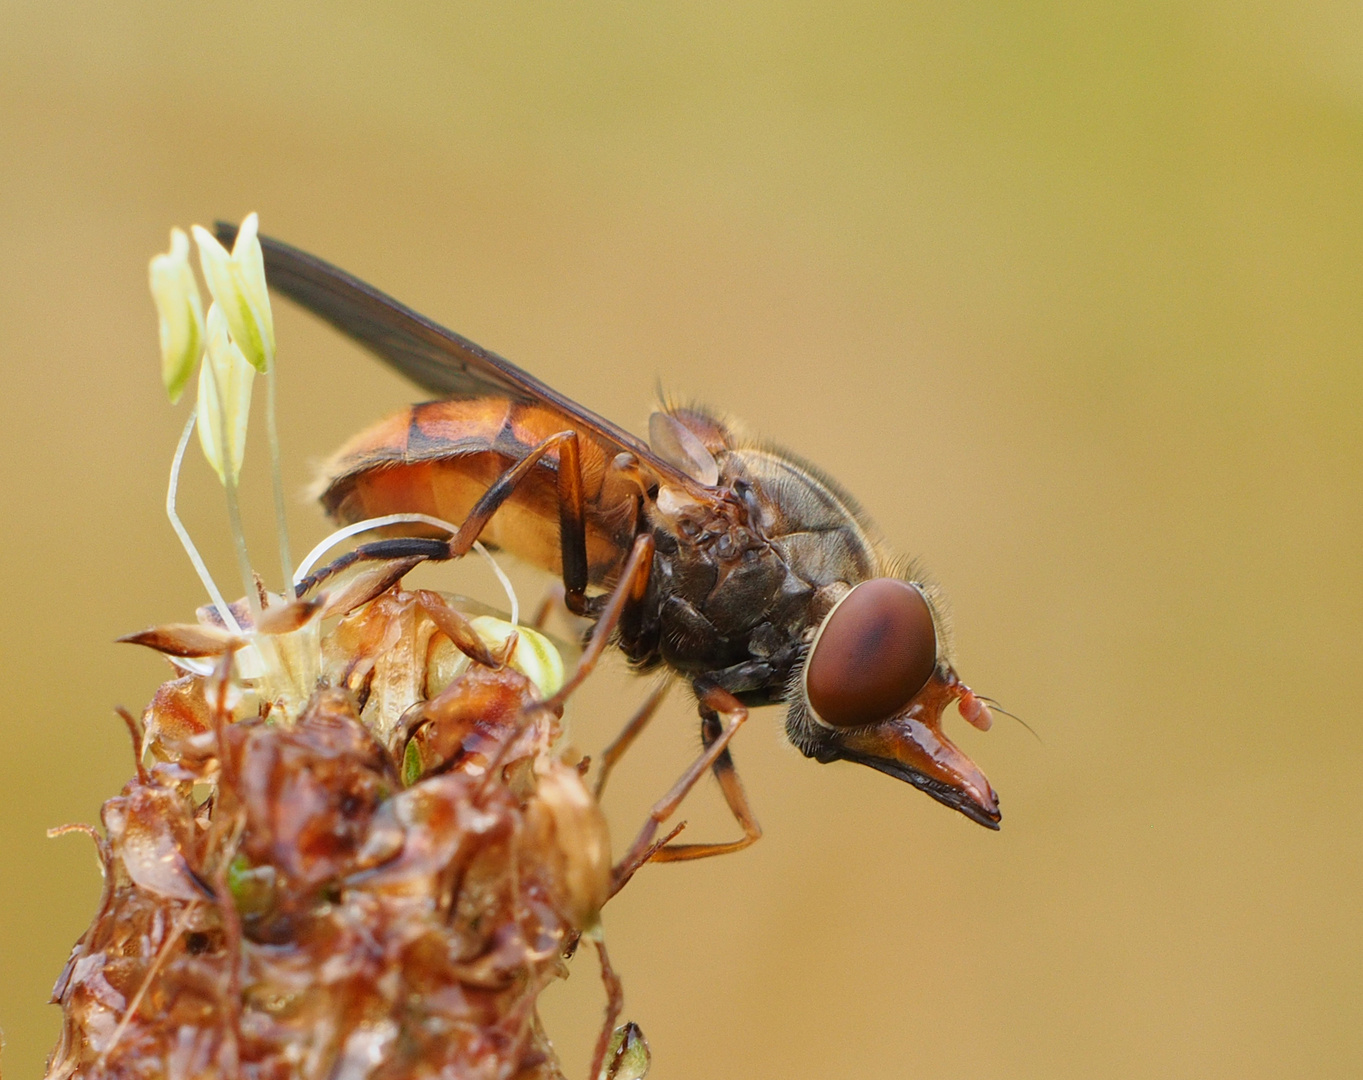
438 360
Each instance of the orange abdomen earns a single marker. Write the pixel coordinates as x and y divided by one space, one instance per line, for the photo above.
440 457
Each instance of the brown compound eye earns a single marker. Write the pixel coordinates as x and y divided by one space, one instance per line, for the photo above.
875 651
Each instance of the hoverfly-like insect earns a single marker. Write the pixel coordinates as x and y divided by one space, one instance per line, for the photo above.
735 565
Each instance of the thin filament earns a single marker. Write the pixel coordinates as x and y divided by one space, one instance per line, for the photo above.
996 707
277 475
185 541
229 484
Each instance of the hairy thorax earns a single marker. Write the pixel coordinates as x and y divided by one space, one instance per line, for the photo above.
740 581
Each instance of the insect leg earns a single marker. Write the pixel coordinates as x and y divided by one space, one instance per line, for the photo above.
400 548
616 750
553 596
572 514
629 592
714 702
572 524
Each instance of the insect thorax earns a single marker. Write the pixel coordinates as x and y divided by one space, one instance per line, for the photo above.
739 582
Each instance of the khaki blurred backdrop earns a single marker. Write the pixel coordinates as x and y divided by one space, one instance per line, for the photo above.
1067 293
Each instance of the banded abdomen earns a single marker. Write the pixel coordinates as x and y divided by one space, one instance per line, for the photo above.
440 457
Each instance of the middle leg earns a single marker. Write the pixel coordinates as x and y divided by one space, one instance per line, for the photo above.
714 703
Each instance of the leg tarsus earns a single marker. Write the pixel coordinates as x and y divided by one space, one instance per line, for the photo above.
401 547
731 785
714 702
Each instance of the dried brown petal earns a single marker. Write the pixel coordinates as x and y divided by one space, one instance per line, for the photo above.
372 580
571 831
308 790
472 720
455 627
179 711
184 639
151 834
286 618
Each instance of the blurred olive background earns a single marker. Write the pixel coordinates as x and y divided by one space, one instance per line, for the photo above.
1068 293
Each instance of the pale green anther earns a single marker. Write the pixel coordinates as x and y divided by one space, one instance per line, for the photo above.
179 312
225 369
250 262
627 1056
535 656
237 282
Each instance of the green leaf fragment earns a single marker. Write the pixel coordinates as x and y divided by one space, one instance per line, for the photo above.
411 764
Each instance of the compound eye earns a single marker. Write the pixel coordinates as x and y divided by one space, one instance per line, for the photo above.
875 651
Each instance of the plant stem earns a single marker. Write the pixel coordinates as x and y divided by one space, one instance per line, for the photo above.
186 541
248 578
277 475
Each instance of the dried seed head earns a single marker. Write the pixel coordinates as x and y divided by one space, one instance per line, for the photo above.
569 827
329 907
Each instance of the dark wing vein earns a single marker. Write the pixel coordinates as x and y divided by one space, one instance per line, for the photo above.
438 360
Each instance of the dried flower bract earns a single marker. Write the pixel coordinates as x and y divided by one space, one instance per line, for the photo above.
378 886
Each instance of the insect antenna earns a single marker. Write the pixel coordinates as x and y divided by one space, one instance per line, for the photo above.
996 707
